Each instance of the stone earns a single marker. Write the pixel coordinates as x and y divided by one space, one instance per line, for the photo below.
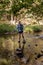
25 60
36 45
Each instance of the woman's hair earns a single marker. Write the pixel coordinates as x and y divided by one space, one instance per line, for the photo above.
19 21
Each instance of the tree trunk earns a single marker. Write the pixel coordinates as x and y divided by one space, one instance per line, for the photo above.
12 17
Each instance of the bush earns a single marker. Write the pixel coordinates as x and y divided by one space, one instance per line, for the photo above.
36 29
31 28
7 28
28 29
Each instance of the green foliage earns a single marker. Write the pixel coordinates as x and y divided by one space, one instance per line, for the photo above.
17 5
7 28
38 9
3 5
29 1
28 28
36 29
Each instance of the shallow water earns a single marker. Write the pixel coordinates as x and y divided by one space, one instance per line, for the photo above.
33 47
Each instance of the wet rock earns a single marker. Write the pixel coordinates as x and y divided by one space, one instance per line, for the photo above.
41 37
28 45
39 55
35 58
35 53
36 44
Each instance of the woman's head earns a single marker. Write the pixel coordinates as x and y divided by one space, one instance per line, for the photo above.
19 22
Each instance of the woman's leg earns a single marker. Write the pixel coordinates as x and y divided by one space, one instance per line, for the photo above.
19 37
23 36
19 40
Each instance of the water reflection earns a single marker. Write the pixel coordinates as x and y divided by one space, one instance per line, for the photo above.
9 43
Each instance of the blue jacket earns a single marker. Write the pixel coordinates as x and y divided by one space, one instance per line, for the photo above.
20 27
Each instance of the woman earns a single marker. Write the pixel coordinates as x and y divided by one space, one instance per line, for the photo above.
20 31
